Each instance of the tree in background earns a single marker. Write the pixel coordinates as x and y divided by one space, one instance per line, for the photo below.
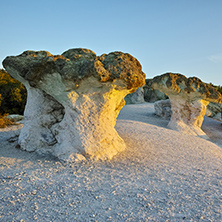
0 99
12 94
219 89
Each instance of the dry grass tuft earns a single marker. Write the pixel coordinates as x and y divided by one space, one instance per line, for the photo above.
4 121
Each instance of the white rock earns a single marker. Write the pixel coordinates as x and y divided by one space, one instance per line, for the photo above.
188 117
74 100
189 98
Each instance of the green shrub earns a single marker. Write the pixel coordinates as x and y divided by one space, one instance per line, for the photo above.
12 94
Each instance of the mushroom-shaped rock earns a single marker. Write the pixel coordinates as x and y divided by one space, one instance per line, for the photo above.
74 99
189 98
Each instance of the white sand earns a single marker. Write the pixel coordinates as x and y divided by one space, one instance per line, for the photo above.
163 175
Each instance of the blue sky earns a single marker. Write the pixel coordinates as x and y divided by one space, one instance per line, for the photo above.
182 36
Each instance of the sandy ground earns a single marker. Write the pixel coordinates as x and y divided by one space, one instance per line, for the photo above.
163 175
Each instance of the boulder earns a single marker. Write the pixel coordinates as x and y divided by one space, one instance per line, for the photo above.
73 100
218 116
163 108
214 109
136 97
152 95
15 117
189 98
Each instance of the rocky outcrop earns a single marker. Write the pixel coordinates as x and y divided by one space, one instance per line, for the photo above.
163 108
136 97
218 116
152 95
145 94
214 110
189 98
73 100
15 117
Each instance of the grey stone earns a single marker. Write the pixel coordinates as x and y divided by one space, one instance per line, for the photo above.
15 117
136 97
152 95
214 110
163 108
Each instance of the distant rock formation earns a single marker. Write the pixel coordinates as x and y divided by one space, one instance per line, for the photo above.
189 98
136 97
73 100
145 94
152 95
163 108
214 110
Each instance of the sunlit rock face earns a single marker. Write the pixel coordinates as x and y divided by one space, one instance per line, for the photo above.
74 100
189 98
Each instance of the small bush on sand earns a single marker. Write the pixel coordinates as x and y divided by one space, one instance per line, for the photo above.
4 121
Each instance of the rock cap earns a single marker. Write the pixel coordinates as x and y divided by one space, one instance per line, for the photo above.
178 84
78 64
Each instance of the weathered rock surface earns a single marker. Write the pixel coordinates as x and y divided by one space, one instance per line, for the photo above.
163 108
152 95
189 98
218 116
15 117
145 94
214 110
73 100
136 97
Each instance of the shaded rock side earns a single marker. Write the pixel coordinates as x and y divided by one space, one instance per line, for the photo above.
152 95
74 99
189 98
163 108
136 97
214 110
15 117
145 94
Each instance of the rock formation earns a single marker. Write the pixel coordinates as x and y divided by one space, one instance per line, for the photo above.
15 117
73 100
214 110
189 98
152 95
145 94
136 97
163 108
